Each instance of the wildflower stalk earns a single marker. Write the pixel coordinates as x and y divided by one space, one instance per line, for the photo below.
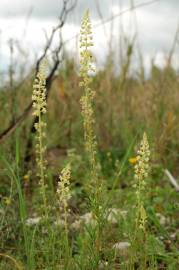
39 105
141 173
87 101
63 194
141 170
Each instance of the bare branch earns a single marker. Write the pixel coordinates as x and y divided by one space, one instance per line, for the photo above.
56 61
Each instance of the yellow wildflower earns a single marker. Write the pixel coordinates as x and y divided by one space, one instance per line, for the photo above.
133 160
26 178
7 201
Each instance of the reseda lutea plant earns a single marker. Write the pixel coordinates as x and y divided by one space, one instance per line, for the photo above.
63 192
63 196
141 171
39 106
88 97
87 103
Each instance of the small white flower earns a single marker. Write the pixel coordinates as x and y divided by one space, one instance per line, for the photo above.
59 222
121 245
33 221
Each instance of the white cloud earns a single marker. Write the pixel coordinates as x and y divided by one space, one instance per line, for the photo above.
156 26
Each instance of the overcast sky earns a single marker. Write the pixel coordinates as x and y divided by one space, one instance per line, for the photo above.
27 21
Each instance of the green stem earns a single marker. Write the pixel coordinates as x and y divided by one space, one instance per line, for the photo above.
41 160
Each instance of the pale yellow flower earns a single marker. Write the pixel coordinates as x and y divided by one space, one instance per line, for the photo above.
26 178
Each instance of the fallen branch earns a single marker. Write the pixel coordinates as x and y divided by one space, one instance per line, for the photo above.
172 180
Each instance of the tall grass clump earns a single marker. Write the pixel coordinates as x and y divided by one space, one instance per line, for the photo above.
39 106
13 170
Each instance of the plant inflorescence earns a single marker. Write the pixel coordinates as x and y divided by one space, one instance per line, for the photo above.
39 106
87 99
141 170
